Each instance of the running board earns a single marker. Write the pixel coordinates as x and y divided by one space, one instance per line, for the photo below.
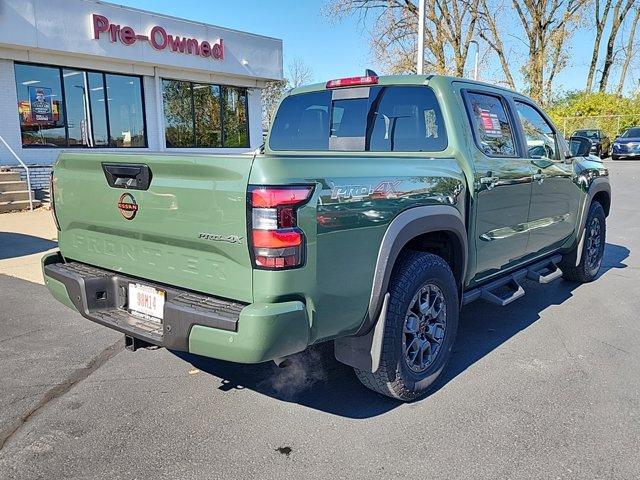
508 289
546 273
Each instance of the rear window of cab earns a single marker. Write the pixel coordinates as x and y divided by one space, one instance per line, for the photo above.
374 119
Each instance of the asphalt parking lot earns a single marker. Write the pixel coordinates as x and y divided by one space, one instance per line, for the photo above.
548 387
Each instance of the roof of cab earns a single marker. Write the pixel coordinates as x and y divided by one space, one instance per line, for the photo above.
404 80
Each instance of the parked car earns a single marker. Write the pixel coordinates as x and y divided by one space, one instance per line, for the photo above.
378 207
627 145
600 143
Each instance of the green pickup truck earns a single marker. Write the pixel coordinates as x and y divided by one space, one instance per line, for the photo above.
378 207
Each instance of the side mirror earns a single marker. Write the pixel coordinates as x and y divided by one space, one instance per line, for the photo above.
579 146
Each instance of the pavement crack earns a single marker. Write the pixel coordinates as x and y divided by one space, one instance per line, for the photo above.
571 355
615 348
22 335
60 389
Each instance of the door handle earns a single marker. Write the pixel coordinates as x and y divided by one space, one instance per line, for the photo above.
120 175
539 177
489 181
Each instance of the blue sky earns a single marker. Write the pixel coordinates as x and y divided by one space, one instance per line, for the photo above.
331 49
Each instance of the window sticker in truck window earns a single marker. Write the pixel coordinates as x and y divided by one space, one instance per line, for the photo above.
490 123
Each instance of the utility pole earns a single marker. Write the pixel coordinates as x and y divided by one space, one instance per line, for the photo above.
475 62
420 59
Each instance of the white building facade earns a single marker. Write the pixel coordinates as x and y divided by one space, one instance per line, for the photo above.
83 74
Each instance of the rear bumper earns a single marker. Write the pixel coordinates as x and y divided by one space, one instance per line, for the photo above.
625 152
193 322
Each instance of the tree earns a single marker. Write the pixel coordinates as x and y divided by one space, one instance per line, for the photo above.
490 33
449 28
620 11
299 73
606 111
460 19
629 52
545 26
271 95
601 16
558 58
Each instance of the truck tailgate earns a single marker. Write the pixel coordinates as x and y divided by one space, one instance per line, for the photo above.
187 229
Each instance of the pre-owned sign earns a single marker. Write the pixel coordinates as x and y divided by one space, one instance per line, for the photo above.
158 38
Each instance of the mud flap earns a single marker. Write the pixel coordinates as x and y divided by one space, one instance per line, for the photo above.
364 352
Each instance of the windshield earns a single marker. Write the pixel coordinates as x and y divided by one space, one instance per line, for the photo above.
376 119
586 133
631 133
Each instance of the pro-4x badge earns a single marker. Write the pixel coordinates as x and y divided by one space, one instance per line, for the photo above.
215 237
127 206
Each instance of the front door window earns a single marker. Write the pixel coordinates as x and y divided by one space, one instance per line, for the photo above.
540 137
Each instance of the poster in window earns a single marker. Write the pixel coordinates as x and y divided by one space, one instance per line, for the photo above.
490 123
41 105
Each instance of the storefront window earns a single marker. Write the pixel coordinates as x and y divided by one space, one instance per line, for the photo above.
40 106
178 114
126 118
236 133
66 107
206 101
98 110
204 116
76 90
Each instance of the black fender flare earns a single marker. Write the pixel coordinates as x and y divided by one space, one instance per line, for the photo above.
600 184
404 228
362 350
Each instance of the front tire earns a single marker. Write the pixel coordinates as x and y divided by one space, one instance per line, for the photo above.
595 233
420 327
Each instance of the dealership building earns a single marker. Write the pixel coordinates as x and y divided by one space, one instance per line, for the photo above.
83 74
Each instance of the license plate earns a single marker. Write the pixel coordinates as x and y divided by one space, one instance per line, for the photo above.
146 301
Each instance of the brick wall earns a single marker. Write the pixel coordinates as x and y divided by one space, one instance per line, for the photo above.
39 176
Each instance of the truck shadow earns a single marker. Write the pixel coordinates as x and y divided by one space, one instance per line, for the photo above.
315 379
19 244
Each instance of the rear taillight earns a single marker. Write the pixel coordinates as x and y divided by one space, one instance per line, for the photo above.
53 203
276 241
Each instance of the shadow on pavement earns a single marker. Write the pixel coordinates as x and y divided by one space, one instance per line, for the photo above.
18 245
314 378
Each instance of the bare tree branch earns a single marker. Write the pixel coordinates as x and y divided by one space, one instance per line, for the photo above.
620 11
299 73
450 27
629 51
600 22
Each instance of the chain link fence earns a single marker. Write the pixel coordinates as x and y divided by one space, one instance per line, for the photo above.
611 125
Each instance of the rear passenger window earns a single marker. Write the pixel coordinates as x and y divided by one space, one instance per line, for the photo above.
491 126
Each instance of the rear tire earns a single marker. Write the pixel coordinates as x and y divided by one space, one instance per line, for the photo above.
595 233
420 328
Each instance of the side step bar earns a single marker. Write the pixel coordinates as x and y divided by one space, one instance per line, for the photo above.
508 289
